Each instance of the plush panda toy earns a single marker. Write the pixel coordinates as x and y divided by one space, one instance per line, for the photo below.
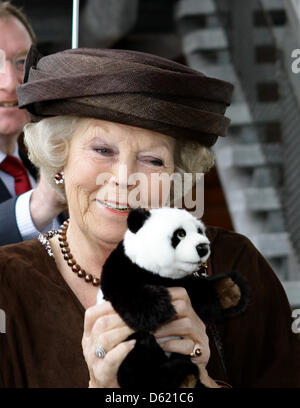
163 248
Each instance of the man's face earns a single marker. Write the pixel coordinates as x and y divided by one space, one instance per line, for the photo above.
15 43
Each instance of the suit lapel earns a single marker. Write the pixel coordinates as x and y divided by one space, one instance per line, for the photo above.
4 193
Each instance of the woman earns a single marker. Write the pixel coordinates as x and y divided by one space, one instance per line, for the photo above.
98 112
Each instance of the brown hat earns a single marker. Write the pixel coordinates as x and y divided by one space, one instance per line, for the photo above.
127 87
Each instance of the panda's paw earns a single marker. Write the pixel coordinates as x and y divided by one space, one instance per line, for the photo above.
228 292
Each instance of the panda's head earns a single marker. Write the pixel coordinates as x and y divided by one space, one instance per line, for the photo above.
167 241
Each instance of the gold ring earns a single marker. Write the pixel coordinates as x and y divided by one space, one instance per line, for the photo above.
197 351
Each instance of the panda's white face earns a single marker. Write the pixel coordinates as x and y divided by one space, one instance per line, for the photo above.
171 243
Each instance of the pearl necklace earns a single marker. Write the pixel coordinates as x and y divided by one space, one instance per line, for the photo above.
68 257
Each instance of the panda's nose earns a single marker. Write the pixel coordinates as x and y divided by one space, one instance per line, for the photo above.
202 249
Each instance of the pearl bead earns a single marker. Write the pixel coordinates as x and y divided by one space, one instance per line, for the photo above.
65 250
75 268
95 281
81 273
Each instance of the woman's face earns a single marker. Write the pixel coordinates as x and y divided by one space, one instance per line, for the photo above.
111 166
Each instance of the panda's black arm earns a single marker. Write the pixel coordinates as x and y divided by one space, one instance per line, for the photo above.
218 297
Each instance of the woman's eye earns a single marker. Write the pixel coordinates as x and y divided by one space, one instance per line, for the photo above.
105 151
155 162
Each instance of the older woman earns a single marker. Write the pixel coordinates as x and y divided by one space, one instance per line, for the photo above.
98 112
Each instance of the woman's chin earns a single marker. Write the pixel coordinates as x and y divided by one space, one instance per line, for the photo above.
106 225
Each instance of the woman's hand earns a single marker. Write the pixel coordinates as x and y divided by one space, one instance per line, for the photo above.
192 331
104 327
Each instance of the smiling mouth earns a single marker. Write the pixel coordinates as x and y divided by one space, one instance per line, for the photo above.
8 104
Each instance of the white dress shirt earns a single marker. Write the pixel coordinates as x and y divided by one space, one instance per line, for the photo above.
22 209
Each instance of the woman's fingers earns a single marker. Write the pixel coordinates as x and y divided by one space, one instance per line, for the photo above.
94 312
103 371
107 322
188 326
104 328
181 346
178 293
109 365
179 327
111 338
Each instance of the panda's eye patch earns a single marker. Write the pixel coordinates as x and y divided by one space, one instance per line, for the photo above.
178 235
181 233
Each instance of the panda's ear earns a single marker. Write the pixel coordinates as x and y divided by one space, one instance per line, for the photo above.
136 219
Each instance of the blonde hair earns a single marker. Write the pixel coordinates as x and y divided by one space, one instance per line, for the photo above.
48 147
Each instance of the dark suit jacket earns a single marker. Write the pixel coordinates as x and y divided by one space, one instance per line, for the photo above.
9 231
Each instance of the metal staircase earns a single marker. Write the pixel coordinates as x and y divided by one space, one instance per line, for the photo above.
242 42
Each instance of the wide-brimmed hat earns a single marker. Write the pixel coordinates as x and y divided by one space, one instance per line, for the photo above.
127 87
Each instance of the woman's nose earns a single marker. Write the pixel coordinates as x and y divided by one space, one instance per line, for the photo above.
124 173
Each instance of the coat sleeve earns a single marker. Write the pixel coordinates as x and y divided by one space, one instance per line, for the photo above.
9 231
260 348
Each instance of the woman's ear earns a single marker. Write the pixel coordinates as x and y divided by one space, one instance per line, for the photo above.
137 218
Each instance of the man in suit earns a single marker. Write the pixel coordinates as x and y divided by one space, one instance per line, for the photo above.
26 207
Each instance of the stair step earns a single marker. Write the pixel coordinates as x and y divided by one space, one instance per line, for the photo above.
273 4
187 8
254 199
239 114
250 155
224 72
204 39
272 245
260 37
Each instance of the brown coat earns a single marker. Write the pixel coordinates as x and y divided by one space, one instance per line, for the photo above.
44 322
